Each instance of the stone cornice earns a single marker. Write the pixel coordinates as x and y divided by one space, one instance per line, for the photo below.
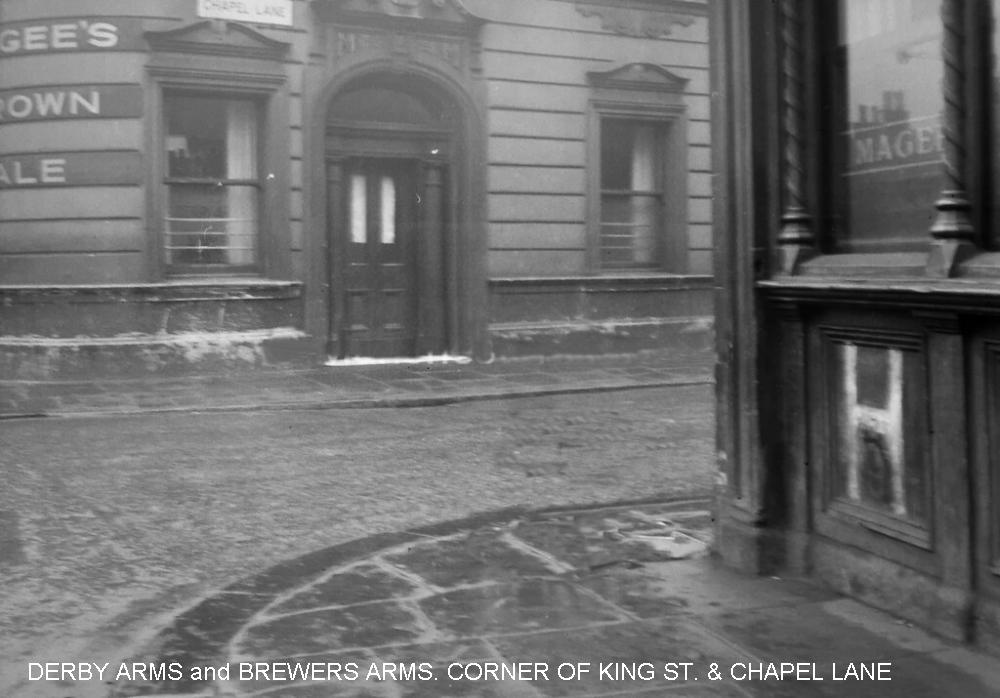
641 18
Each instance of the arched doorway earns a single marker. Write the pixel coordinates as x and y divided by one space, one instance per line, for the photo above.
391 140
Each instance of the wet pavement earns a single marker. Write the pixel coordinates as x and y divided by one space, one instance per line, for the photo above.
377 385
233 536
621 601
110 526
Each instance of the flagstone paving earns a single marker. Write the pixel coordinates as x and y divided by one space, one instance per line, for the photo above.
622 601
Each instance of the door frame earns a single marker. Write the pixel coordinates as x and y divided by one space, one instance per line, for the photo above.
433 262
464 228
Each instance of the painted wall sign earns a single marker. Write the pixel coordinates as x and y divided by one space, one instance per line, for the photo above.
70 169
52 102
71 35
256 11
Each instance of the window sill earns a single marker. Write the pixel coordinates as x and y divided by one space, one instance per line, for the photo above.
985 265
880 265
214 288
645 277
890 267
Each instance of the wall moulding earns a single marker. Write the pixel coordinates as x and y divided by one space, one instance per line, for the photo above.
641 19
429 16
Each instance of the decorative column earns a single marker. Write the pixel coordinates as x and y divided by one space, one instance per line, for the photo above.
796 241
430 334
332 284
952 233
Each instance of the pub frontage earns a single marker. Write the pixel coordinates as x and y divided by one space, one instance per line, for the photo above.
858 327
192 185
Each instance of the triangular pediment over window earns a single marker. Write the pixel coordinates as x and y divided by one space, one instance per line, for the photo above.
446 16
639 76
218 38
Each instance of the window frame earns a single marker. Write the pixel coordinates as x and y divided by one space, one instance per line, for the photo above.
837 237
640 92
230 61
658 191
166 182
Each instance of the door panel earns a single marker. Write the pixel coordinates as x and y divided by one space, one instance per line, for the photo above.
380 247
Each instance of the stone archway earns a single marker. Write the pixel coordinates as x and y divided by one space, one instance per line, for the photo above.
392 147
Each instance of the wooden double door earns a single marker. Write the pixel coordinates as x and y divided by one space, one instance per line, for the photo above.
389 277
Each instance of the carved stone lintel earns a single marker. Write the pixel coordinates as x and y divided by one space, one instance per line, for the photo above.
348 42
450 14
631 21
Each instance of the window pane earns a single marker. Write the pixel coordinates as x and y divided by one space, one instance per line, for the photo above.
879 463
629 230
388 211
628 155
890 70
211 224
211 138
359 208
214 222
631 198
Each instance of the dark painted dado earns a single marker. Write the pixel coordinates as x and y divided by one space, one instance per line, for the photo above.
166 308
66 332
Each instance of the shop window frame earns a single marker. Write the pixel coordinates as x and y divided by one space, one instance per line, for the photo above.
822 256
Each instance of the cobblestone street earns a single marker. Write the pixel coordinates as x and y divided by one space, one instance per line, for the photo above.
112 522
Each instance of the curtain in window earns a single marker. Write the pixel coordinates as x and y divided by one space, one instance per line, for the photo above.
644 205
241 163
